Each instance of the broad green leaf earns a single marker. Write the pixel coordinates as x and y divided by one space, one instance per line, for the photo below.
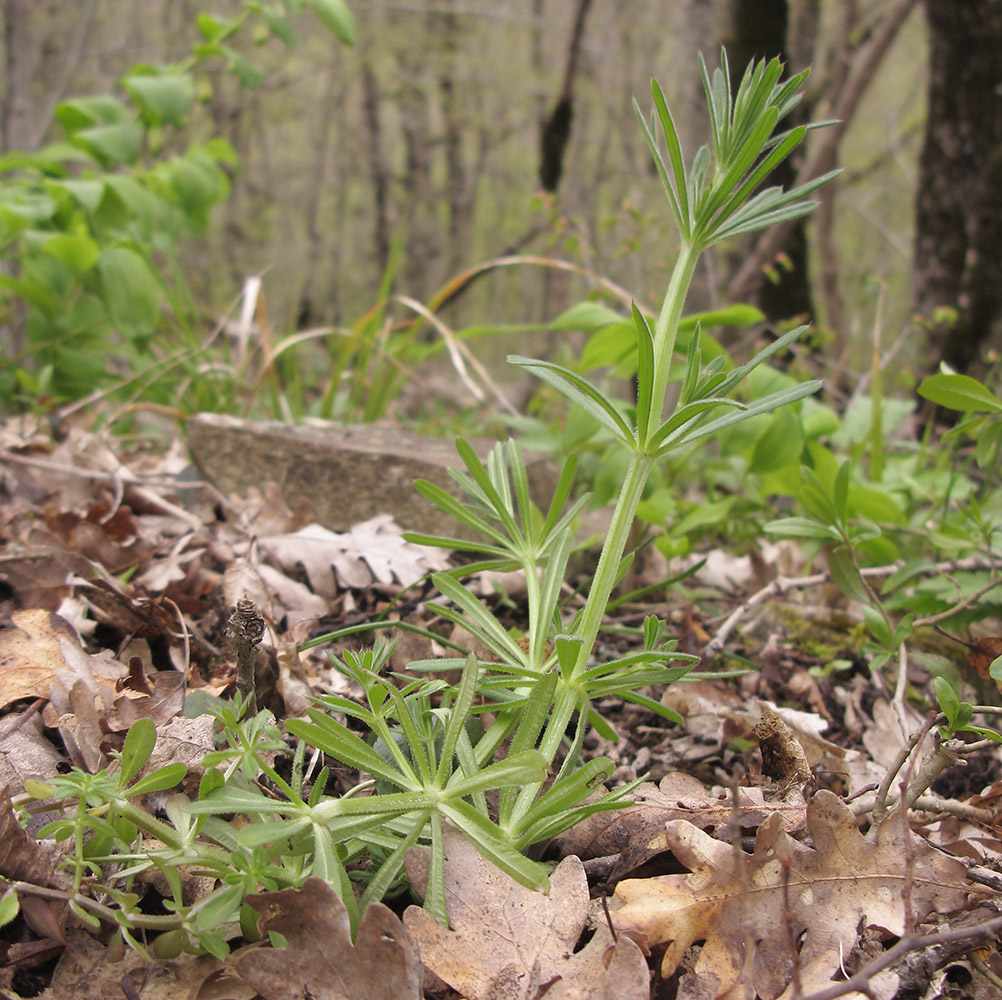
780 445
705 515
164 777
18 206
959 392
845 576
32 292
113 144
166 97
83 112
76 251
995 669
988 446
612 346
130 290
877 625
949 703
245 71
840 491
337 17
875 505
219 908
739 314
587 317
10 907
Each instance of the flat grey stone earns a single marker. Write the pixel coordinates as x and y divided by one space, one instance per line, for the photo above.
347 473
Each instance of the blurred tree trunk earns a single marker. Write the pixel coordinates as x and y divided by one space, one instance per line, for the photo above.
556 132
38 65
841 102
760 31
958 272
378 171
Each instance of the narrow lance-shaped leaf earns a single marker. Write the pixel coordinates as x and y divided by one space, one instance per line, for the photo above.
674 147
450 505
560 493
483 480
582 392
457 717
645 372
763 405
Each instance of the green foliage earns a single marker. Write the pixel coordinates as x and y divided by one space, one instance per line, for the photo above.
92 226
514 724
935 505
432 761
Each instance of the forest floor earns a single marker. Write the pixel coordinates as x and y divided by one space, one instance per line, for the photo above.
759 857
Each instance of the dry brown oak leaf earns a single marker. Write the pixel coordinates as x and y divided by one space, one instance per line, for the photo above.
731 900
320 961
511 943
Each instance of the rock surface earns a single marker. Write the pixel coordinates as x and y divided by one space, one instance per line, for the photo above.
347 473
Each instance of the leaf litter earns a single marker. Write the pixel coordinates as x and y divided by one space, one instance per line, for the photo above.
723 881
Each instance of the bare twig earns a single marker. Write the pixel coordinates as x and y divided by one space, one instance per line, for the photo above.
782 584
858 982
898 701
823 154
880 800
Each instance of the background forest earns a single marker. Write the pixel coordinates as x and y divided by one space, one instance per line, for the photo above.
696 697
450 135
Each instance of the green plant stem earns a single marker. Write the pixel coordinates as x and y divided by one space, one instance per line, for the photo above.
666 330
212 858
145 920
607 573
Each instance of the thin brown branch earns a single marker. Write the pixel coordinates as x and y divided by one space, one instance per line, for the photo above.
824 153
783 584
911 942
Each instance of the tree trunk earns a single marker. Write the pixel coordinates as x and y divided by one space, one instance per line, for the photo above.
556 131
958 273
759 31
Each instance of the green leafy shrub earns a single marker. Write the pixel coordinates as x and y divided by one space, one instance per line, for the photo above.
93 291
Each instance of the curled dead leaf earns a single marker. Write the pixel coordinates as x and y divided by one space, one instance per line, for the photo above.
509 941
321 962
824 895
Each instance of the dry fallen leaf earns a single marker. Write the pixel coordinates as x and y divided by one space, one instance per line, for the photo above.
22 858
637 831
320 961
832 891
511 942
371 551
85 969
30 654
25 753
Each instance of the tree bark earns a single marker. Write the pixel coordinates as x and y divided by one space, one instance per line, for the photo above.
958 273
823 153
556 132
759 31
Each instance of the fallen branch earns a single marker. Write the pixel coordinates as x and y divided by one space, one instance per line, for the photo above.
783 584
